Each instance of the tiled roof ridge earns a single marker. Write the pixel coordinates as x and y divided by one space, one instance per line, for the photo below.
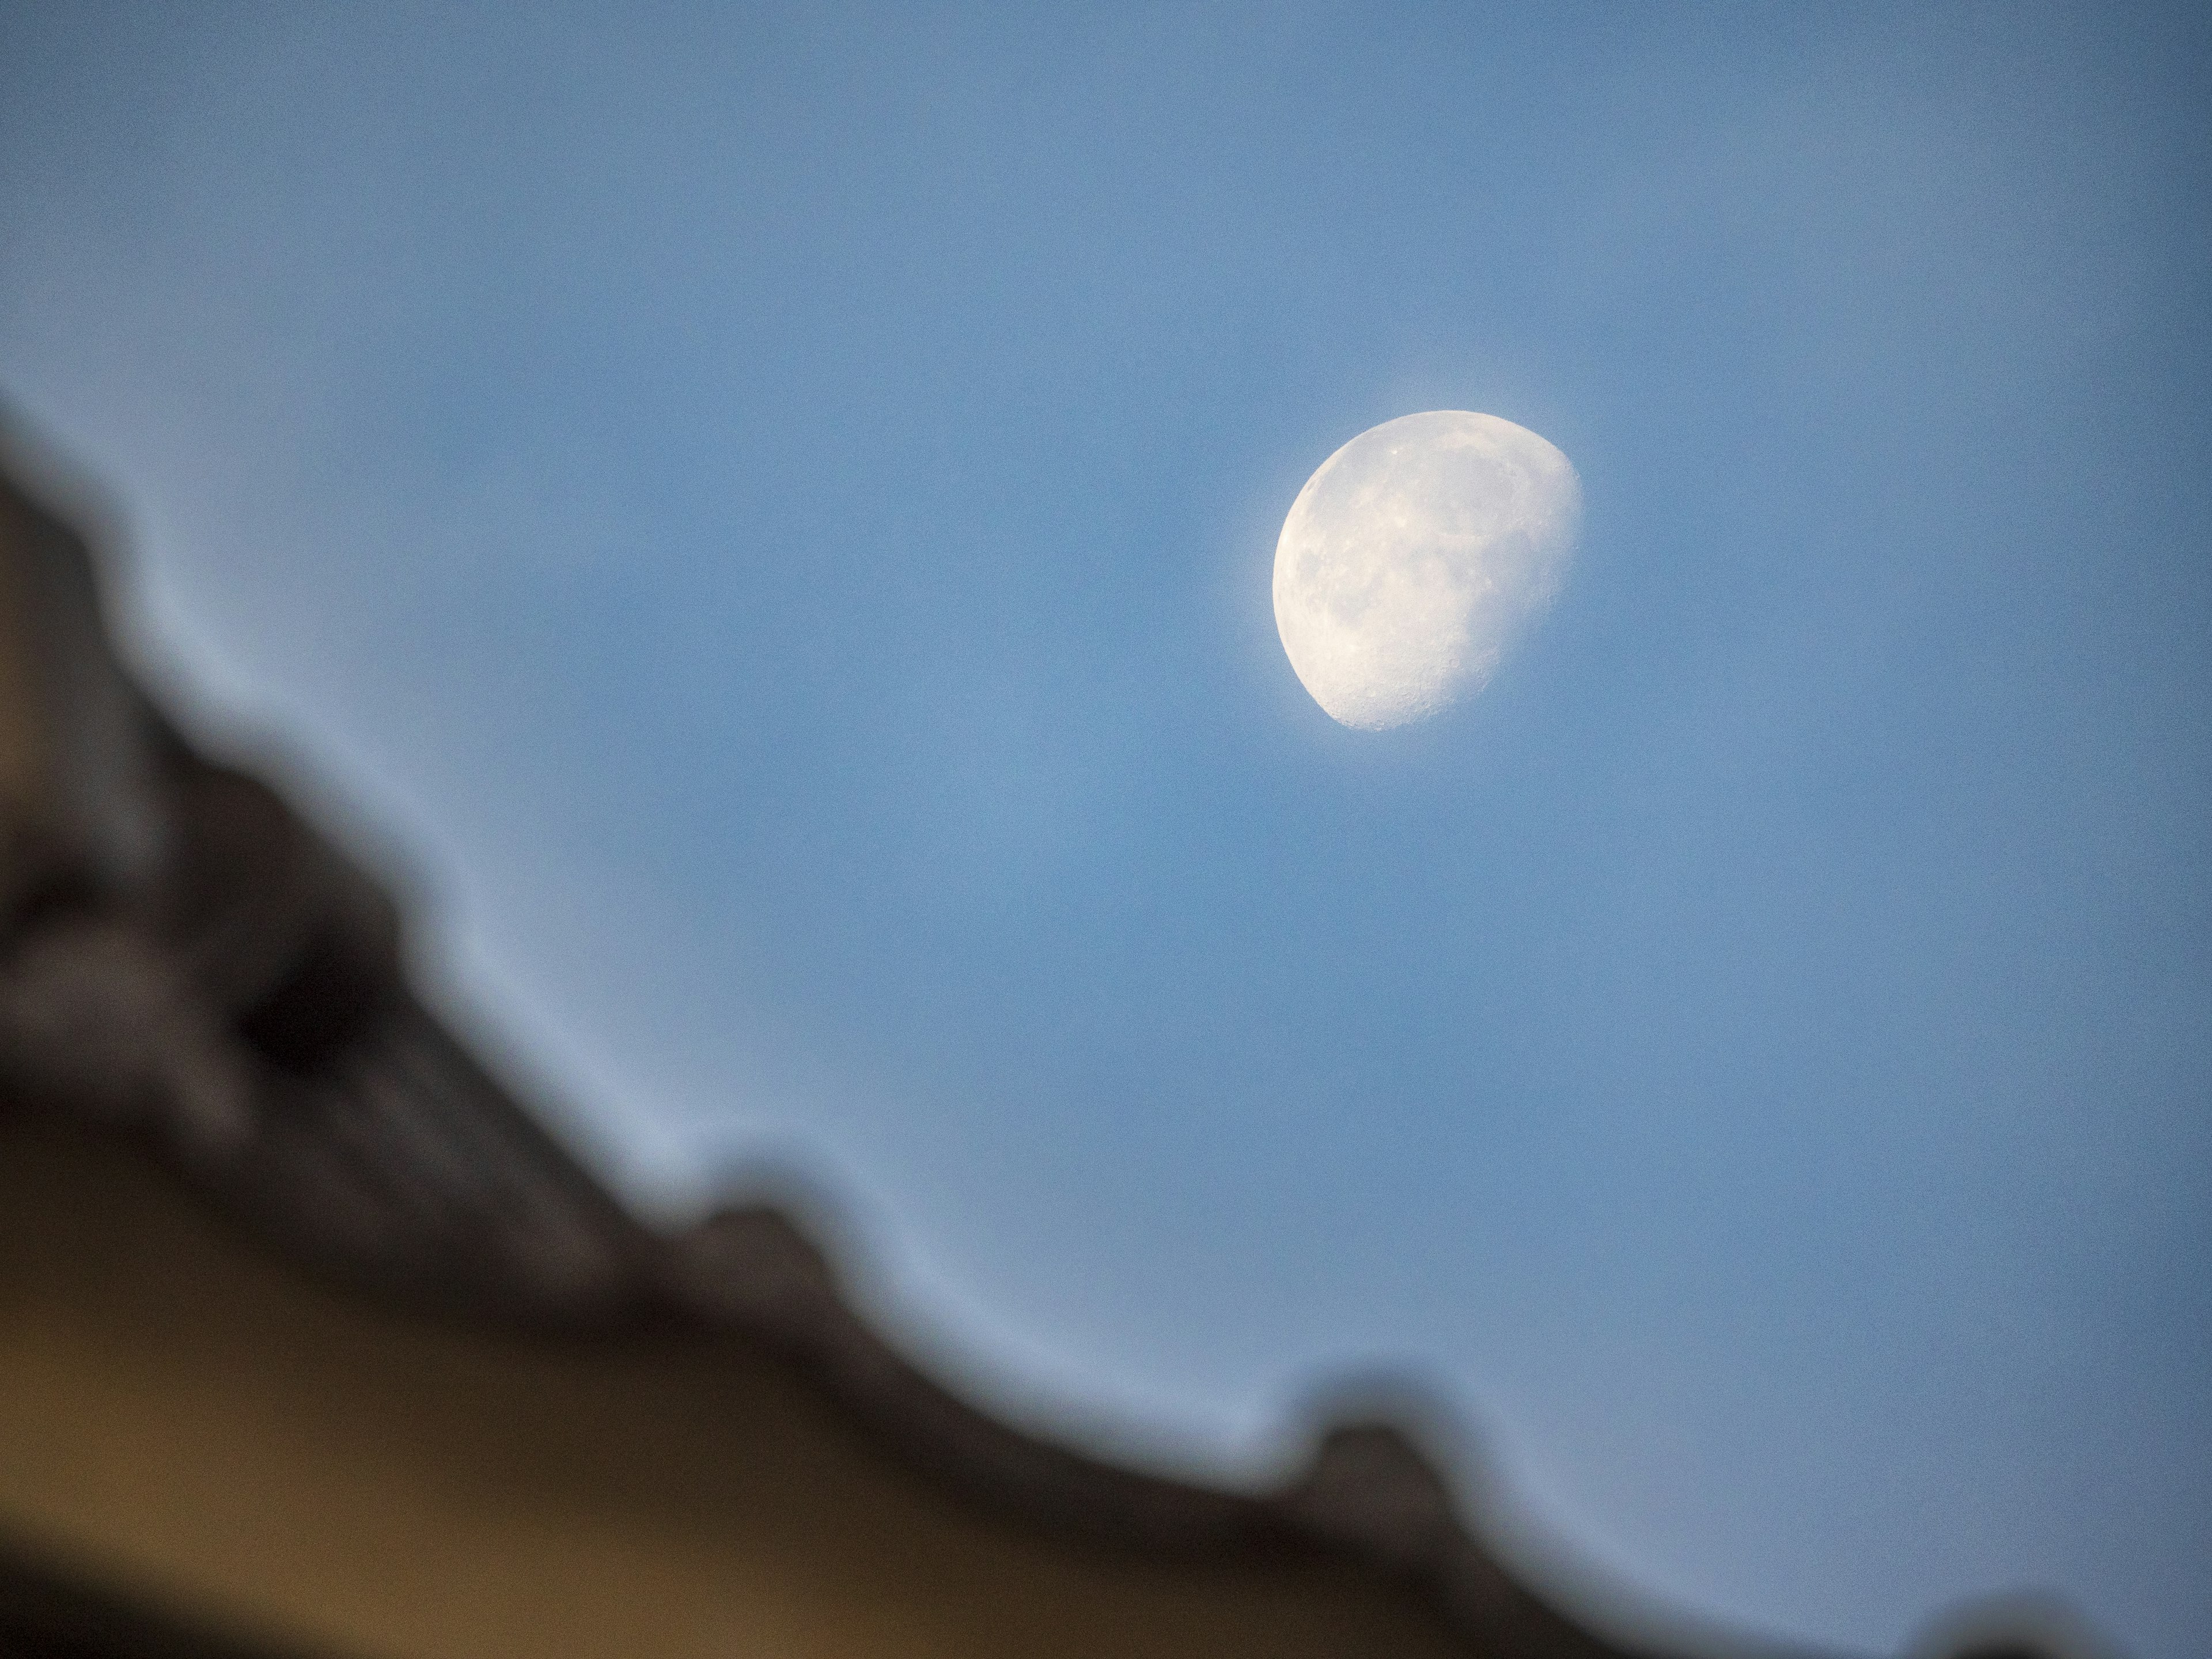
218 977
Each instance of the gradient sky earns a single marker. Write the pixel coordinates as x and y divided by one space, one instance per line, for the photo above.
769 512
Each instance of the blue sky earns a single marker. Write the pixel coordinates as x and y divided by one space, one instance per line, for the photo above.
766 517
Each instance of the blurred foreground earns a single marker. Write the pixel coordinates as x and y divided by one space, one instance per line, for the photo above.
314 1342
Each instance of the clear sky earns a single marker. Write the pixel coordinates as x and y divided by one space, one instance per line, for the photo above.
771 511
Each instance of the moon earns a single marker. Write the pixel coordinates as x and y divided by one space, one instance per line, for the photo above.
1415 557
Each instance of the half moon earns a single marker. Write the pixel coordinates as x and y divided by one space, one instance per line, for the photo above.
1413 559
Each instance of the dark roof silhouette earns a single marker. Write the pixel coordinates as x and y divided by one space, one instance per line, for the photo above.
325 1345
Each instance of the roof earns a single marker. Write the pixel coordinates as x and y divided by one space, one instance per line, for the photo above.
209 1041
